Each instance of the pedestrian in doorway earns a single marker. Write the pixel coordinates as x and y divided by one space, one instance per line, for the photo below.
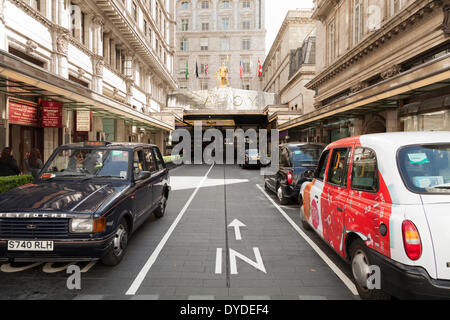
8 165
33 163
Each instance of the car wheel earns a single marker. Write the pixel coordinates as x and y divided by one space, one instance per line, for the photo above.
360 264
159 212
120 242
280 195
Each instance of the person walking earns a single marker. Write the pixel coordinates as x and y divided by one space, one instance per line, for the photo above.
8 165
33 163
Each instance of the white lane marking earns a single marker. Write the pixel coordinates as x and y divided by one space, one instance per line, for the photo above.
151 260
186 182
258 264
236 224
10 269
219 261
350 285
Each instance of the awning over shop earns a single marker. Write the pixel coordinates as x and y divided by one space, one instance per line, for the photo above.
382 96
21 79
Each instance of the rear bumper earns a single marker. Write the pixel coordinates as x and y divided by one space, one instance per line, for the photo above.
408 282
291 192
64 251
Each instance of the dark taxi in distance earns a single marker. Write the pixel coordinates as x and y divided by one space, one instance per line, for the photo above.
86 202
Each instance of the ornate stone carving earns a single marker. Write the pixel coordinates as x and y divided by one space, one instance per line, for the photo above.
359 87
130 85
31 46
62 42
98 20
81 73
392 71
98 64
446 22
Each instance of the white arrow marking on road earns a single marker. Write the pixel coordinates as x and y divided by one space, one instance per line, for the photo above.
236 224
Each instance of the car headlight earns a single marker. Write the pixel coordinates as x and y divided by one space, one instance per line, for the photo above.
81 225
89 225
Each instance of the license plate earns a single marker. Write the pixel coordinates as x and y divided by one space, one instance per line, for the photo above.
30 245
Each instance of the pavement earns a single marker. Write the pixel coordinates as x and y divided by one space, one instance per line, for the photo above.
193 253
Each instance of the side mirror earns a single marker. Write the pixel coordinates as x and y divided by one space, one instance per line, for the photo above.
309 175
142 175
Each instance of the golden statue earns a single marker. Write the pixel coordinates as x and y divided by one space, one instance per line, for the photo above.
222 76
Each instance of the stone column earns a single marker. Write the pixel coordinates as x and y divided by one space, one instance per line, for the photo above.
112 60
88 34
235 5
194 15
97 35
392 121
107 48
357 127
214 4
62 44
120 129
63 14
130 87
3 39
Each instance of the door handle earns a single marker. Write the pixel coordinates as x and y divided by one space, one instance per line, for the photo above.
340 209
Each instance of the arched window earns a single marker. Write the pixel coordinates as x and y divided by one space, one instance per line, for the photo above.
185 5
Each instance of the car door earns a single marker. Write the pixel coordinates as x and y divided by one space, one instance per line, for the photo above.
285 167
365 210
335 195
271 180
313 195
143 194
158 177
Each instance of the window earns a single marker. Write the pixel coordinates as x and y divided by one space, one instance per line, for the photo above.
150 160
284 158
245 44
204 44
322 166
205 26
246 24
426 168
246 66
182 65
225 23
139 163
184 44
185 5
225 44
357 21
159 159
225 4
337 172
331 42
134 11
364 170
205 4
35 4
184 24
246 4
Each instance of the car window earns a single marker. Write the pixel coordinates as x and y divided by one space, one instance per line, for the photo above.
284 158
364 170
320 173
139 163
159 159
305 155
150 160
426 168
337 171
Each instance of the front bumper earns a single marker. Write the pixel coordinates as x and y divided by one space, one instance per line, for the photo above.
409 282
64 251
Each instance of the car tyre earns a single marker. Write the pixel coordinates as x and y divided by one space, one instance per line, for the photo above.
161 210
360 263
120 242
280 196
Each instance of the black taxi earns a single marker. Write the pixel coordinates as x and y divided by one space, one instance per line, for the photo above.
85 203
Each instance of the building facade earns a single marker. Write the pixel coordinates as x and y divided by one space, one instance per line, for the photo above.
289 65
212 32
105 67
381 66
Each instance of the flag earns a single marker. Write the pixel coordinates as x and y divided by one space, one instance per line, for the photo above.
206 70
186 72
259 68
241 69
196 69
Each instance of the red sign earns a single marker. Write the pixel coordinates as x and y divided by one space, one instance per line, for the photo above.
23 114
51 114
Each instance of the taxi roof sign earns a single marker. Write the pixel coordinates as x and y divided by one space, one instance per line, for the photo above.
96 143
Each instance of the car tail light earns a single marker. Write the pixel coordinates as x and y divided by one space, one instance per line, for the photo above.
411 240
289 177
